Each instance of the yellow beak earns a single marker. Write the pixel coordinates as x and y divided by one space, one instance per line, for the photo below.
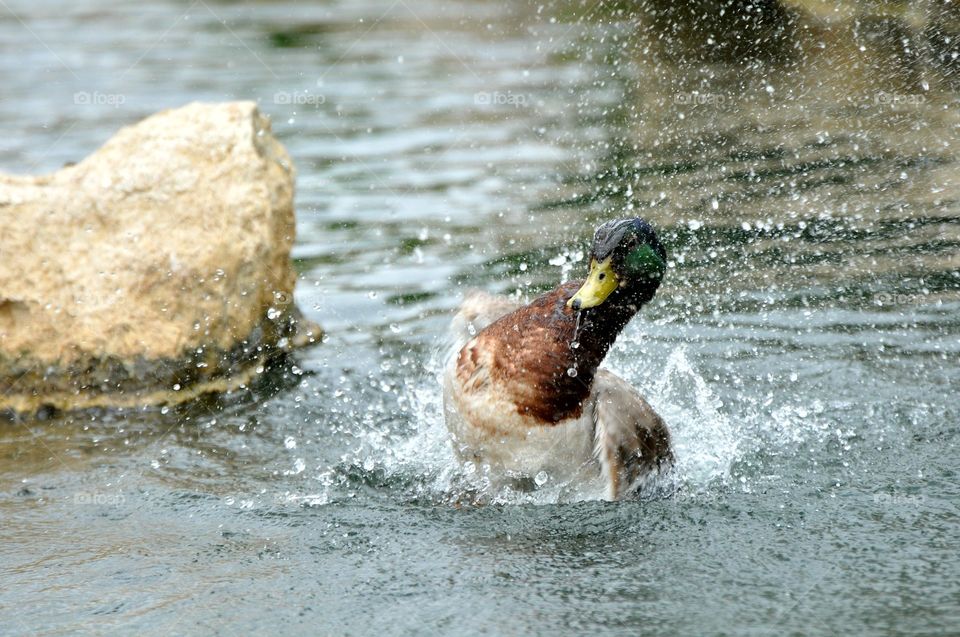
600 283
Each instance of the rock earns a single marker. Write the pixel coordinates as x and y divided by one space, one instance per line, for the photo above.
156 269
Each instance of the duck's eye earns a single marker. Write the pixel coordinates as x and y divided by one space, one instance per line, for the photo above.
602 276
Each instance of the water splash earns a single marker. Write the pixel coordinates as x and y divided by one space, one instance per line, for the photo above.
575 342
705 441
422 462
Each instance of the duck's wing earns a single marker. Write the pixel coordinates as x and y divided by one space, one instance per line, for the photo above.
478 310
631 440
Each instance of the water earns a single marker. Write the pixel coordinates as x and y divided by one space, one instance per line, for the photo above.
803 348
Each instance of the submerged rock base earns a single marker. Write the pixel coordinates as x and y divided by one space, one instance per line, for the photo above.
154 270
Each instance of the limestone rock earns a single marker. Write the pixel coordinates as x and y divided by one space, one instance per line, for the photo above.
155 269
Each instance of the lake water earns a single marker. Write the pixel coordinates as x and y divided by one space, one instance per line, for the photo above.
803 348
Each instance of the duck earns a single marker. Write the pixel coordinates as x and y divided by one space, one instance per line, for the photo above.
524 395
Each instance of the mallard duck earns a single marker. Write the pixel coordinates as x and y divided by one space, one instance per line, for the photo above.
523 392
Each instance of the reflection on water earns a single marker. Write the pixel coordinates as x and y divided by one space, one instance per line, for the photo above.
803 171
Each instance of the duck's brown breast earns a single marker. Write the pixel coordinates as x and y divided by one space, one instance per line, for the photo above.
526 355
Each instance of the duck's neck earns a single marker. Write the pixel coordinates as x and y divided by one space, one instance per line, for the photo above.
587 338
595 331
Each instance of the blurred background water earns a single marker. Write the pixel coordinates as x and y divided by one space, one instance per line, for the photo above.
800 160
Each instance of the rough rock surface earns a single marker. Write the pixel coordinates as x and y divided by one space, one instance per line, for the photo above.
155 269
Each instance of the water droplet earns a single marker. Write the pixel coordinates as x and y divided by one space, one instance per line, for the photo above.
572 372
289 442
541 478
394 328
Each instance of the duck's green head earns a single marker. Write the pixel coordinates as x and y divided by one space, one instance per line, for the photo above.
626 258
